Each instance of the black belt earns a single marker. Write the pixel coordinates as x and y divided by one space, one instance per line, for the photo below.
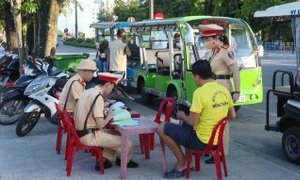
221 77
82 133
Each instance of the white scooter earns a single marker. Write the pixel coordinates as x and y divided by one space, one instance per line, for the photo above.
44 92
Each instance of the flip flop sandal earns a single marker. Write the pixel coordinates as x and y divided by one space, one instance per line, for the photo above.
174 174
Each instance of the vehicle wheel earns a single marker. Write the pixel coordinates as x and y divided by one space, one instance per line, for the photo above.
146 97
27 123
237 108
291 144
11 110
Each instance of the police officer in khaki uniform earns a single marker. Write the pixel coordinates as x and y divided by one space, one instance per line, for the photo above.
223 63
91 117
76 85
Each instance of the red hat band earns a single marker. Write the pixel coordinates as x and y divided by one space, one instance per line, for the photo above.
211 32
108 79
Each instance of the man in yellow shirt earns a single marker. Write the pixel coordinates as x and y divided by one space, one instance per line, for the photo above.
211 102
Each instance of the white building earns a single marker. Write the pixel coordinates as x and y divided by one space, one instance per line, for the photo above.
87 16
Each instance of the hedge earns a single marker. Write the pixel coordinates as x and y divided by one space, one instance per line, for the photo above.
83 44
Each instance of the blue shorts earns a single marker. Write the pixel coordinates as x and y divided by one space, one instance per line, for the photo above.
184 135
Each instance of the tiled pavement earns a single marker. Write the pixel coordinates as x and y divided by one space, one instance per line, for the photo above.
34 158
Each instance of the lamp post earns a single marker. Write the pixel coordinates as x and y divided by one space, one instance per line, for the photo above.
76 20
151 9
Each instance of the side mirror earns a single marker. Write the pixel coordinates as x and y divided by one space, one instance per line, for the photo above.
260 51
189 36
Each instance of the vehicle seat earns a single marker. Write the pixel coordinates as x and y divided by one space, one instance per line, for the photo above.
163 63
178 61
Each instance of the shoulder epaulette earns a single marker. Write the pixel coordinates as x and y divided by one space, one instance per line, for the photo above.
224 46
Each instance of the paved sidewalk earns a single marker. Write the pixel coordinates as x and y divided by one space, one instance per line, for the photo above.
34 158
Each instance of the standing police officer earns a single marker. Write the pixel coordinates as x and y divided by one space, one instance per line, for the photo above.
223 63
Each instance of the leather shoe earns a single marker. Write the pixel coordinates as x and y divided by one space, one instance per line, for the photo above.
130 164
107 165
211 160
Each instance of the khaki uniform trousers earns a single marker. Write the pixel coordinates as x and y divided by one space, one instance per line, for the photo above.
226 83
109 140
226 139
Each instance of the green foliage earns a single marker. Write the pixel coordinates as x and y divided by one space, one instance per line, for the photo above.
88 43
81 35
68 3
90 40
105 16
29 6
133 8
79 40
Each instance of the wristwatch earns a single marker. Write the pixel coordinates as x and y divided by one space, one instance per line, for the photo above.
238 92
105 112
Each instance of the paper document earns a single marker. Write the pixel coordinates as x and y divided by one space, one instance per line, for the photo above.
117 105
123 118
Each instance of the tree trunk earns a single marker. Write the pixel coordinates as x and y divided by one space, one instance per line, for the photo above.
48 27
9 24
30 38
36 34
13 41
16 12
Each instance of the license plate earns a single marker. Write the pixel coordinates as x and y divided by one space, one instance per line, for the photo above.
242 99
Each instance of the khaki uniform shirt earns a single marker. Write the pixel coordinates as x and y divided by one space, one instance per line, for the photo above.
118 58
221 59
83 107
76 90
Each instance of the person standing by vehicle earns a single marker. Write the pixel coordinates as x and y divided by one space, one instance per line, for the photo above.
76 85
118 52
91 117
223 63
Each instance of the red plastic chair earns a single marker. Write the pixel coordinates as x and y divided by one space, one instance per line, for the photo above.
75 145
170 104
60 129
215 152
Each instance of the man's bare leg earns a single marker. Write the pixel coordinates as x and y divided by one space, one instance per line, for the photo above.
191 165
174 147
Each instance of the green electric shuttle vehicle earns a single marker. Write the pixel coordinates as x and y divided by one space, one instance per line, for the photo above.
166 63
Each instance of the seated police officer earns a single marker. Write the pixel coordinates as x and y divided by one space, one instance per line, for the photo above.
76 85
91 117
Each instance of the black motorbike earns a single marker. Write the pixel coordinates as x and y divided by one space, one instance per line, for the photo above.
14 101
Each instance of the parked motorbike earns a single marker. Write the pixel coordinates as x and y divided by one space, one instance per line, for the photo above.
44 92
13 100
9 69
10 73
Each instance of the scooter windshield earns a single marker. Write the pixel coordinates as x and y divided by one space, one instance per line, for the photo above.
37 84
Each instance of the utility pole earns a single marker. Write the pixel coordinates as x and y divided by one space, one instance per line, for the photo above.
151 9
76 20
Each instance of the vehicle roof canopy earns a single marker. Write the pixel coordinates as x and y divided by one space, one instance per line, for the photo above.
173 22
290 10
108 25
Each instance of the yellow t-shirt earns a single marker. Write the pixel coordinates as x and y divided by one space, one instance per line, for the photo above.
212 102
